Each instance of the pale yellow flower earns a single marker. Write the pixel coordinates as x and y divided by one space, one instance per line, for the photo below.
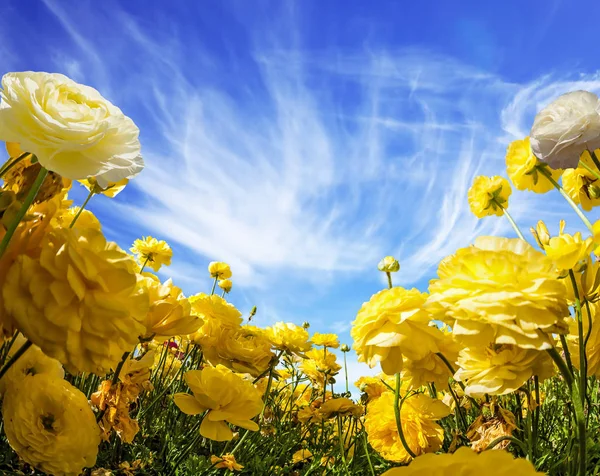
524 168
582 185
152 252
489 196
567 250
110 190
389 264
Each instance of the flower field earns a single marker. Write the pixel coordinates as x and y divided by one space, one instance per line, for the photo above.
105 369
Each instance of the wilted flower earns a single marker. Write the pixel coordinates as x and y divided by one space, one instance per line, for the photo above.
50 425
220 270
466 461
70 127
80 301
419 414
524 168
489 196
565 128
153 252
499 290
226 397
389 264
392 324
326 340
484 430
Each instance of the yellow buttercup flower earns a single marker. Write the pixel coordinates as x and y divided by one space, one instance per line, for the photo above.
170 313
326 340
373 387
499 290
592 348
32 362
215 309
152 252
500 369
389 264
70 127
340 406
288 337
466 461
86 219
541 235
523 168
582 185
225 284
50 425
567 250
587 278
489 196
220 270
226 461
80 301
301 456
419 414
226 397
111 189
320 366
393 324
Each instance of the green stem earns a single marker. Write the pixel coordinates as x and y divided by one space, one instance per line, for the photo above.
346 372
512 439
81 208
15 357
562 367
397 408
33 191
594 158
514 225
366 445
389 279
589 169
114 381
569 200
13 163
341 438
214 286
144 265
536 415
567 353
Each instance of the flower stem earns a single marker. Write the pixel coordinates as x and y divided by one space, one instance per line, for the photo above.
144 265
114 381
346 371
81 208
389 278
214 286
536 415
594 158
366 445
569 200
589 169
514 225
15 357
397 408
33 191
562 367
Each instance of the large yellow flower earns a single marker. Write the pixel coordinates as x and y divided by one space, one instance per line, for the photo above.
320 366
391 325
50 425
419 415
288 337
70 127
152 252
32 362
523 168
567 250
465 461
227 397
500 290
489 196
170 311
80 301
582 185
500 369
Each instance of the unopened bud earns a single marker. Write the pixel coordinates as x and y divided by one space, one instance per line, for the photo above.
389 264
305 325
593 191
252 313
345 348
541 234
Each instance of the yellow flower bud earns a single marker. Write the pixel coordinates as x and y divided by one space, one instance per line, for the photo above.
345 348
389 264
225 285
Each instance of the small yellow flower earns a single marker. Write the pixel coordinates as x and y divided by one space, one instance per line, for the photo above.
226 397
225 285
523 168
111 190
373 387
567 250
227 461
50 425
389 264
326 340
301 456
582 185
489 196
466 461
288 337
152 252
220 270
340 406
320 366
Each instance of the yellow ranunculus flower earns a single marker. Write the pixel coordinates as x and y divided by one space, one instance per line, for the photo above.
110 190
301 456
288 337
215 309
523 168
393 324
32 362
226 461
389 264
320 366
80 301
419 414
225 285
340 406
152 252
541 235
170 313
489 196
220 270
567 250
373 387
499 290
326 340
466 461
592 349
50 425
226 397
582 185
86 219
500 369
70 127
588 282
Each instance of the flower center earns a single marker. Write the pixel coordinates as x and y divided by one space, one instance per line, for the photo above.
48 422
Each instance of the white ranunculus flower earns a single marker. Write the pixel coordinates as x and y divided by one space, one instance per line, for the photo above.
565 128
70 127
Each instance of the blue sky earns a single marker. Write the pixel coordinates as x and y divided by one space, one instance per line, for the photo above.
303 141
